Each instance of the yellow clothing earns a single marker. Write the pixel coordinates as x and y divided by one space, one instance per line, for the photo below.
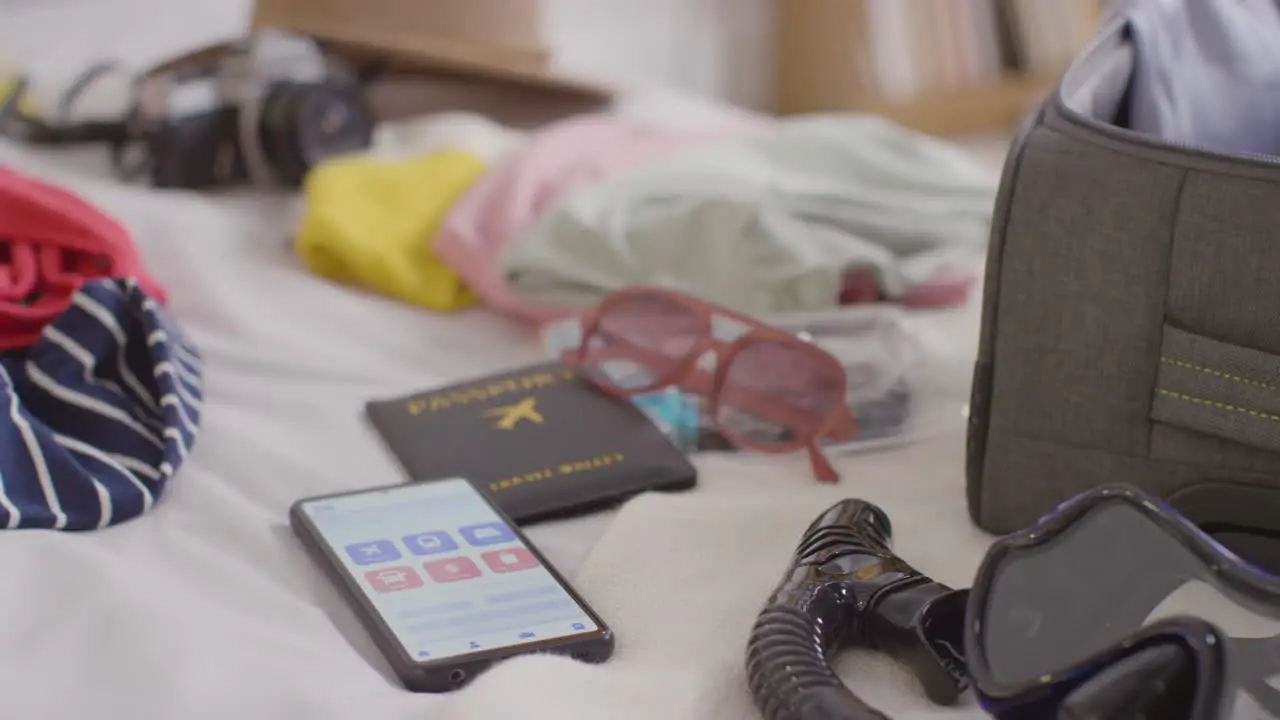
372 222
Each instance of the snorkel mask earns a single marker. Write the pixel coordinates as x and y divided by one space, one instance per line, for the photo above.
1115 606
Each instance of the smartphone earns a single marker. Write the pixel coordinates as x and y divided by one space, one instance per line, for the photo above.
445 583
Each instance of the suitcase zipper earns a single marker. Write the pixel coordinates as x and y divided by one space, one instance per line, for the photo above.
1119 134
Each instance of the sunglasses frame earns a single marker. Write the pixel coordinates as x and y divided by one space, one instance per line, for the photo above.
1201 637
839 422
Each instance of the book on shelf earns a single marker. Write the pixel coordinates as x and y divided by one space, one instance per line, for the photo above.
942 66
924 46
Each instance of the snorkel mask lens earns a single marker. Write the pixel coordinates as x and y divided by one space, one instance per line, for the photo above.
1115 591
1154 680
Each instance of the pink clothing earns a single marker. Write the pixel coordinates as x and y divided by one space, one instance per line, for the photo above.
947 288
553 162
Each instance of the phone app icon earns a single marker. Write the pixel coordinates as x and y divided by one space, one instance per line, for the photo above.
452 569
393 579
372 552
509 560
492 533
429 543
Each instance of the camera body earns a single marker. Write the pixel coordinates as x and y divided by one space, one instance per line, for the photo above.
262 111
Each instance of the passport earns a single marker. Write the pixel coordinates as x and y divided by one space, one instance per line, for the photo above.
540 441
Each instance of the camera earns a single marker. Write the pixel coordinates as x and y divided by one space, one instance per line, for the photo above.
262 111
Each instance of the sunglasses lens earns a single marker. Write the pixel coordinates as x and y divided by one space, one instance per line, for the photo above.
640 339
778 394
1109 574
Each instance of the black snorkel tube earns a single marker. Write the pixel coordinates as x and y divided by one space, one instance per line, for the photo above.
845 588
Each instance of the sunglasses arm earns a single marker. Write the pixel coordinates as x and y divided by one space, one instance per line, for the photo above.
822 467
845 426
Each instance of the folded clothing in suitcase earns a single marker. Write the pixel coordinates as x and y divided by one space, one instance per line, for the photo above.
1131 321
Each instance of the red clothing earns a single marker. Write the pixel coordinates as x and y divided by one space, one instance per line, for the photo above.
52 243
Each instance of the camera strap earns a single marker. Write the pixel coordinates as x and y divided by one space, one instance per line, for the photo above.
32 129
120 135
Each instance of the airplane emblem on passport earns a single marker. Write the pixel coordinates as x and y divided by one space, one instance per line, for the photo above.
509 415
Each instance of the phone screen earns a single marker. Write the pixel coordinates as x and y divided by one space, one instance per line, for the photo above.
445 572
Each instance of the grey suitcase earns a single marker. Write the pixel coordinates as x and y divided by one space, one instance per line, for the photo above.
1131 319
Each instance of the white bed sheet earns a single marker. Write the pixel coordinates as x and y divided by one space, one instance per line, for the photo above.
207 607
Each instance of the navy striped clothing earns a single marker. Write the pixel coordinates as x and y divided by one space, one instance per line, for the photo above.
98 414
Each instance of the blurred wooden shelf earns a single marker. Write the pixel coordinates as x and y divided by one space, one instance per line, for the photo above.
823 64
995 107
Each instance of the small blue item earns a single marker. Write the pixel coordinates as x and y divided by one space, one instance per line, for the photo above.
99 413
677 415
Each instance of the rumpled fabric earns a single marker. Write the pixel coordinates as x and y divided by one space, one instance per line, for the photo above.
771 223
420 135
51 244
99 414
372 222
552 164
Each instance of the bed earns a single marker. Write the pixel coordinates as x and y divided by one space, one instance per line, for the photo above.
208 608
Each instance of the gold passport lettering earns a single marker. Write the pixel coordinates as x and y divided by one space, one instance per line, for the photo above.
568 468
517 480
483 391
584 465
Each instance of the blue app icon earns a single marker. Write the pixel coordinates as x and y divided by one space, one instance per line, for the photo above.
579 626
487 534
373 551
429 543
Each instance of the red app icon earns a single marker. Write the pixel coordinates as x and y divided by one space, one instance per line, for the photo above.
393 579
451 569
509 560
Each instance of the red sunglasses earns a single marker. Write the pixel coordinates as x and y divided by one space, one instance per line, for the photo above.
765 389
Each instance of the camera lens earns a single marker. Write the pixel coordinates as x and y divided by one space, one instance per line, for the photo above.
304 124
457 676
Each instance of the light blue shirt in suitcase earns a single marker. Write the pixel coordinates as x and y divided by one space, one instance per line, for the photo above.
1207 72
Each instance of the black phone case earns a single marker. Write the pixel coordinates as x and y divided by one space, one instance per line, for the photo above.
445 674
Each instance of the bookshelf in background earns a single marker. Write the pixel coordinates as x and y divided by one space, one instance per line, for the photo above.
948 67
